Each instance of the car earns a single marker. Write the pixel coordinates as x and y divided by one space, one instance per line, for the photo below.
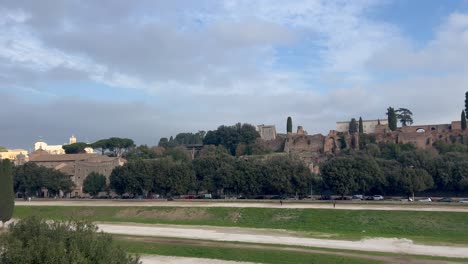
445 200
325 197
377 198
425 200
358 197
463 200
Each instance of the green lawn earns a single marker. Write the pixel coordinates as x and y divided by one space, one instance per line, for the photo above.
237 254
427 227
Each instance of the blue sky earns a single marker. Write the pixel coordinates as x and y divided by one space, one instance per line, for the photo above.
150 69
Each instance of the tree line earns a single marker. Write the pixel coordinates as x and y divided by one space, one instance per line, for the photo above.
397 169
113 146
29 179
215 171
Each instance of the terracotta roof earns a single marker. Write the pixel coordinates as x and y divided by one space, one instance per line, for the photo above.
68 157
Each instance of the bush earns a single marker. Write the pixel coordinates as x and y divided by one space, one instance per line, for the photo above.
33 241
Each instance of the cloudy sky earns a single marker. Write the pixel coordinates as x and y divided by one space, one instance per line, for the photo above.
147 69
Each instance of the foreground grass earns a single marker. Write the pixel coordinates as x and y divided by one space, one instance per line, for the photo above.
237 254
427 227
277 247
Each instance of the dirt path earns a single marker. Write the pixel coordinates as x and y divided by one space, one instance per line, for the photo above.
385 259
152 259
339 206
393 245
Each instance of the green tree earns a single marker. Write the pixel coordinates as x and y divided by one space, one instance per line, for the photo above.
94 183
466 103
353 126
117 146
214 170
415 180
7 196
289 125
3 149
32 241
142 152
392 118
343 144
338 175
75 148
231 136
463 120
361 126
405 116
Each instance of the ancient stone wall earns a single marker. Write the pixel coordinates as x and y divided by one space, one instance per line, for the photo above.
314 149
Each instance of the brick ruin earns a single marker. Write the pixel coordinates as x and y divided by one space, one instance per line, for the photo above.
313 149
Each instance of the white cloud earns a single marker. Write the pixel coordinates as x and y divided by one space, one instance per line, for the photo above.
219 62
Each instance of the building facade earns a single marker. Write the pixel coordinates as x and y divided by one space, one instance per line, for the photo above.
57 149
12 154
267 132
77 166
368 125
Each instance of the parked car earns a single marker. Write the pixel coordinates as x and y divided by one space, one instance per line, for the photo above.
425 200
378 198
358 197
463 201
445 200
325 197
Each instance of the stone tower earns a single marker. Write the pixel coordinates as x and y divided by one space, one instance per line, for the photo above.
72 140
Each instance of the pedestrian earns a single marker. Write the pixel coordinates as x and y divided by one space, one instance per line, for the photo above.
334 203
281 202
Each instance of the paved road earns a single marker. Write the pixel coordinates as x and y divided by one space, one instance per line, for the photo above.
339 206
249 235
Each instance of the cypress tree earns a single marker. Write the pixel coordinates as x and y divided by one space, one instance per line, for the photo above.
7 202
361 126
289 125
466 103
392 118
463 120
353 126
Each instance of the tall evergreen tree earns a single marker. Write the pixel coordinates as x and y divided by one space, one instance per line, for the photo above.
289 125
7 196
392 118
463 120
361 126
353 126
466 103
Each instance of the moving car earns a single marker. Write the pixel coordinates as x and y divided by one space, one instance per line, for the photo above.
465 200
378 198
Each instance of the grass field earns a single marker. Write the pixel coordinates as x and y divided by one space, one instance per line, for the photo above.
316 250
427 227
237 254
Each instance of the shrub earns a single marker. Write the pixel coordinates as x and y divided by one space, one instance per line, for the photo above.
32 241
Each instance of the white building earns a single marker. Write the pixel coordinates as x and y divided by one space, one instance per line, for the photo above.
57 149
368 125
267 132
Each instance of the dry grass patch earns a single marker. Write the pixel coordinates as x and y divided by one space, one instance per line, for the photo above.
168 214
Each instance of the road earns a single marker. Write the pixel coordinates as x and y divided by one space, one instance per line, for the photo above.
265 236
290 205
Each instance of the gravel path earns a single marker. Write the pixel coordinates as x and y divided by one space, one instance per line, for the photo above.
394 245
339 206
147 259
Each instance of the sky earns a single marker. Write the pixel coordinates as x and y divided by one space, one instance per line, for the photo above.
153 68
